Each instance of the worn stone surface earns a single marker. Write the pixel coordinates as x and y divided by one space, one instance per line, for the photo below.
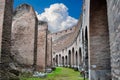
32 46
5 29
65 47
24 28
99 40
114 34
49 51
6 71
63 41
42 46
2 5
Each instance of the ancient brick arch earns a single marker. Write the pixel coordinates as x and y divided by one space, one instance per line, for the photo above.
53 62
60 60
86 33
80 57
73 51
99 40
76 58
69 58
56 60
86 50
63 61
66 60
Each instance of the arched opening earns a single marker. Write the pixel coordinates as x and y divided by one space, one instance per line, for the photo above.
80 57
82 36
62 60
86 51
53 61
69 54
73 57
57 60
86 34
99 40
76 56
66 60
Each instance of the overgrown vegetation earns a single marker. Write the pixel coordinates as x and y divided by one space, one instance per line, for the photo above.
59 74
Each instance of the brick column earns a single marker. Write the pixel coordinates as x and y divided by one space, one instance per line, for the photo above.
6 8
49 51
42 46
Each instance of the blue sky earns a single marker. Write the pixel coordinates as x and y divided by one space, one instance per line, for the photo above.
74 6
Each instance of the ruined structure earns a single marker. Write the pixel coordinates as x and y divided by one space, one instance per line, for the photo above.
49 52
91 45
5 29
42 46
99 42
7 67
24 36
66 46
31 44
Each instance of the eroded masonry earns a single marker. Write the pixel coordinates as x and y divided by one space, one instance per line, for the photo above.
92 45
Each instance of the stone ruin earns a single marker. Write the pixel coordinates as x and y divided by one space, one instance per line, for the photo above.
91 45
24 30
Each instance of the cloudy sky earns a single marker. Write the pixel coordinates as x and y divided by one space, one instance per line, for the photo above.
60 14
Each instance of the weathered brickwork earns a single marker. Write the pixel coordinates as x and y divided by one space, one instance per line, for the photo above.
49 51
2 4
92 45
65 49
114 33
99 41
5 29
24 29
66 40
103 39
6 10
42 46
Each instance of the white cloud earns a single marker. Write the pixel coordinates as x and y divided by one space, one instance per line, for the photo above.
57 17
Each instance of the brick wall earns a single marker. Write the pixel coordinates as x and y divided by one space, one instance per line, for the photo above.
42 46
99 41
66 40
49 51
24 35
2 5
6 10
5 29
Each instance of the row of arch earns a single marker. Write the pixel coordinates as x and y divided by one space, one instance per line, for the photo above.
71 59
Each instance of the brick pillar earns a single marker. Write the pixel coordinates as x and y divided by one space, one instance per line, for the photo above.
6 8
99 41
49 51
42 46
73 57
24 36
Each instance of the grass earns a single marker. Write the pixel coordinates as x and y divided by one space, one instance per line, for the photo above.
59 74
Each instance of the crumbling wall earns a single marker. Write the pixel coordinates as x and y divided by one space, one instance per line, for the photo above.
6 8
62 33
7 71
99 41
42 46
66 40
49 51
24 28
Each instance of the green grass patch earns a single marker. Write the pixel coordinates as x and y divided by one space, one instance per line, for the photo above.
59 74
